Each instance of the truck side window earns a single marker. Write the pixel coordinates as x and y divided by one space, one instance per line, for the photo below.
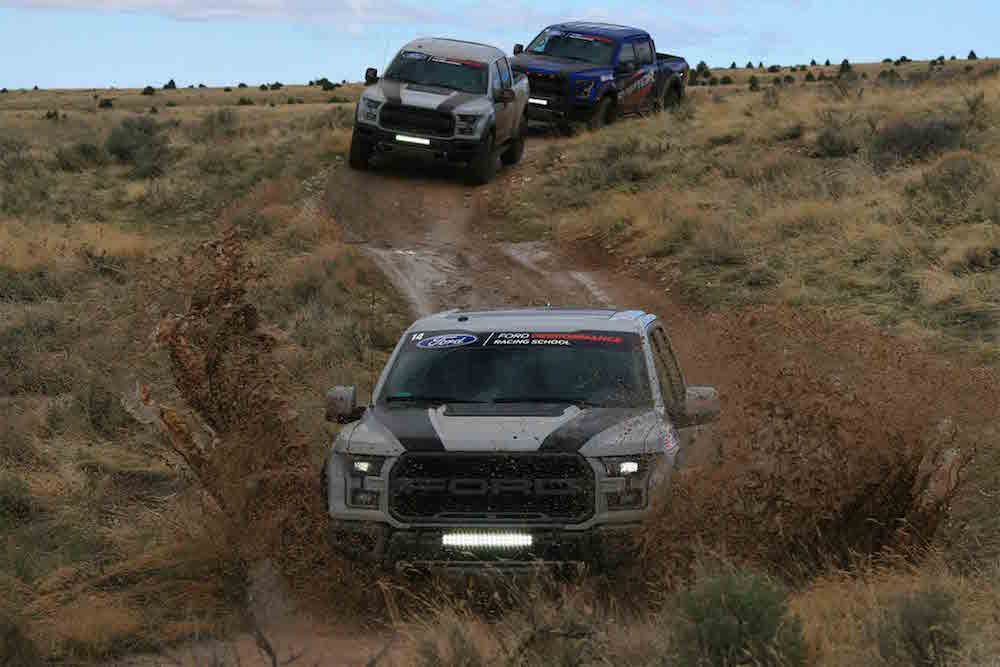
504 72
644 52
627 54
668 371
495 77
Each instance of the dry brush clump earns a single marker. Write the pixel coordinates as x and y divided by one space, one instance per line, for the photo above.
820 466
238 433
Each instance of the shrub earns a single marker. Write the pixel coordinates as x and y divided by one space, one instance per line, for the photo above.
760 65
242 85
263 86
29 286
947 194
754 83
52 115
739 618
16 504
845 67
909 140
791 132
105 103
79 156
3 91
244 102
154 110
713 81
749 65
201 85
921 629
171 104
813 62
733 66
972 56
886 60
776 81
170 85
140 143
774 68
726 80
223 123
227 89
810 77
148 90
789 79
276 86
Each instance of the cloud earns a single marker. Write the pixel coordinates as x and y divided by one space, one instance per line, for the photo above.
345 12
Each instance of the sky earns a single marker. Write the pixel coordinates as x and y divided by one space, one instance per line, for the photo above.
134 43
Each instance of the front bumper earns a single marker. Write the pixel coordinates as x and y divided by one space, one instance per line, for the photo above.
602 548
451 149
558 108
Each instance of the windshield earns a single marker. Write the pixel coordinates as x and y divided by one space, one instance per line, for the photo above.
463 75
574 46
584 368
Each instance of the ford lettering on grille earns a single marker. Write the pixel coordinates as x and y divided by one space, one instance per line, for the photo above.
518 487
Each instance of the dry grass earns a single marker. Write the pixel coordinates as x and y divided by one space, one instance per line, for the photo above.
880 201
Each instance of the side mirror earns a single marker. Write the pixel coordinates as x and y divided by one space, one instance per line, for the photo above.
518 49
505 95
342 405
371 76
701 406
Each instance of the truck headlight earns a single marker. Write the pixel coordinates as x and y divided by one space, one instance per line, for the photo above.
466 123
634 473
584 89
368 109
361 492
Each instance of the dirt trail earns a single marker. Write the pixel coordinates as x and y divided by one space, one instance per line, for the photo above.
423 228
420 229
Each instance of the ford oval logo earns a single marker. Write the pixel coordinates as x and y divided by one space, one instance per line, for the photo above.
447 340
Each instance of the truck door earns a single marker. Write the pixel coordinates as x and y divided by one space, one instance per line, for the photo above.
646 85
626 73
696 441
502 80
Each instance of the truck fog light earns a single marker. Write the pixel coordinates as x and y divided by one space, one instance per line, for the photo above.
473 540
363 498
629 499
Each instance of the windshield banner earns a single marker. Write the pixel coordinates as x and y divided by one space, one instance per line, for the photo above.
435 340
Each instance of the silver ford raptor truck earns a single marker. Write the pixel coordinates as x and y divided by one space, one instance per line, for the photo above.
510 438
445 99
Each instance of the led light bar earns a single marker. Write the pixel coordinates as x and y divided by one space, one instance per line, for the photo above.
540 102
486 540
413 140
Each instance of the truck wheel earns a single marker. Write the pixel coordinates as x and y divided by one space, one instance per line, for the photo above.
484 165
515 149
361 151
603 115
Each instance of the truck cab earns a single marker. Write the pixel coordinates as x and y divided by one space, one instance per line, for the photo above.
596 72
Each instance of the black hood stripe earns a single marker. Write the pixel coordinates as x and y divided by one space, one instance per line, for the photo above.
457 100
392 91
412 427
575 433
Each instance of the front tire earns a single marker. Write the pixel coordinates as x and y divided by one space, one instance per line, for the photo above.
483 167
604 114
515 150
361 152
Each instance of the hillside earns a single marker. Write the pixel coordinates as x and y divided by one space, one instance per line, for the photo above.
827 254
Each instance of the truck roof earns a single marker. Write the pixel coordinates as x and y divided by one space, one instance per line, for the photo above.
444 47
536 319
611 30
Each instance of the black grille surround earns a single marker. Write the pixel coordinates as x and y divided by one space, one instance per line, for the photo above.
416 120
491 488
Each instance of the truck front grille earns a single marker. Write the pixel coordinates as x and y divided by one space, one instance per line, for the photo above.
491 488
547 85
420 121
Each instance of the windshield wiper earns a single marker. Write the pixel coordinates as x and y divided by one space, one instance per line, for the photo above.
573 400
400 398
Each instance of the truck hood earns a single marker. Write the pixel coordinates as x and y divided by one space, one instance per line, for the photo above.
428 97
391 431
551 65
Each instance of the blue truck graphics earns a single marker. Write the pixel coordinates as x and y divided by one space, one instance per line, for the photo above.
595 72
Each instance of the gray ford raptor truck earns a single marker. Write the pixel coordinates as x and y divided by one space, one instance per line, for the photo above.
446 99
510 438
